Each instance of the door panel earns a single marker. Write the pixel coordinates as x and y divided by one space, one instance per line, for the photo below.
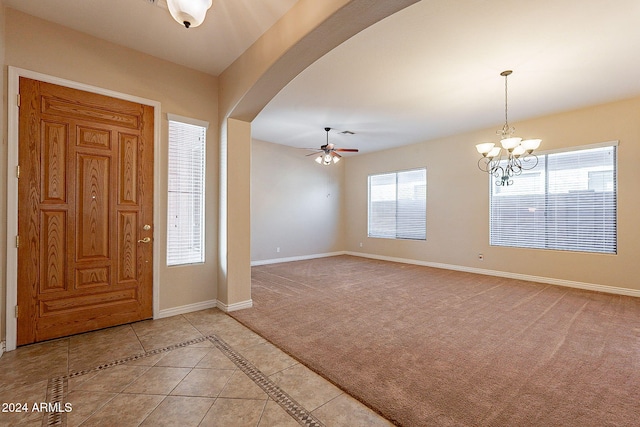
93 207
54 260
84 195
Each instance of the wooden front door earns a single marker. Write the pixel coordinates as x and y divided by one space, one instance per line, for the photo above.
85 210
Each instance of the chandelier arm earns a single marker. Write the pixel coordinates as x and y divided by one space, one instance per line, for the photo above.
515 166
498 171
483 164
530 158
493 165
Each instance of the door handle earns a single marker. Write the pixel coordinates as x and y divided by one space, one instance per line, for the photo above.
145 240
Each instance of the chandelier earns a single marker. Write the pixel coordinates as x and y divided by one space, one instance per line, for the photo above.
189 13
514 156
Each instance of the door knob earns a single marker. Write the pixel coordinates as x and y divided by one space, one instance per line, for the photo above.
145 240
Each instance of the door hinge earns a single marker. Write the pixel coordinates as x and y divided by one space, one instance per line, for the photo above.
18 171
18 100
17 311
17 241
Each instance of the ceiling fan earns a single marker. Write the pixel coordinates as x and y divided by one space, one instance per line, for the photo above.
328 152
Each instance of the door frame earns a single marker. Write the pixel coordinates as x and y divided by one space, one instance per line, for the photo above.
13 112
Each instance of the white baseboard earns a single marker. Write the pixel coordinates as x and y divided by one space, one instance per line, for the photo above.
183 309
189 308
249 303
539 279
235 306
295 258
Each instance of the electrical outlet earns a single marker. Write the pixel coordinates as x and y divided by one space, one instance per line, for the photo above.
277 249
481 257
360 244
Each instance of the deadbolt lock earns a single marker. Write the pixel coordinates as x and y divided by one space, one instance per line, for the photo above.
146 227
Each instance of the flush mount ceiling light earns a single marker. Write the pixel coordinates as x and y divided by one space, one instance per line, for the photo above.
519 153
189 13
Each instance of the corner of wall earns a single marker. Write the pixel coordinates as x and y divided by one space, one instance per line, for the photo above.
235 306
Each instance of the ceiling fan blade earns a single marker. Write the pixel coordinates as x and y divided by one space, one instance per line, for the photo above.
334 154
350 150
313 154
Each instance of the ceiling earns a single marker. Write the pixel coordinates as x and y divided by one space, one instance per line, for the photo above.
431 70
231 26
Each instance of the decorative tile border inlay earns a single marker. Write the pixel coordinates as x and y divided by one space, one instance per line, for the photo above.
293 408
56 391
57 387
136 357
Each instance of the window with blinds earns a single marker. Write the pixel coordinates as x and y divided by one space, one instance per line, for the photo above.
185 206
398 205
567 202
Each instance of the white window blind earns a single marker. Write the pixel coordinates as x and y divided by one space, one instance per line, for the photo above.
185 210
398 205
567 202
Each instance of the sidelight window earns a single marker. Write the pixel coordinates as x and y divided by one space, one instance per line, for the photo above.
186 182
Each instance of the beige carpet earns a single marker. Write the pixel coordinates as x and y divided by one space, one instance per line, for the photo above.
431 347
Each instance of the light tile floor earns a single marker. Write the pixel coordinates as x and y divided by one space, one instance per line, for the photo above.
198 369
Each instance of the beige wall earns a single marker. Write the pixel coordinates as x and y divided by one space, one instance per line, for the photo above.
50 49
309 30
296 204
458 203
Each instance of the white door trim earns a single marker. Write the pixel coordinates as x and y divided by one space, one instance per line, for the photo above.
13 113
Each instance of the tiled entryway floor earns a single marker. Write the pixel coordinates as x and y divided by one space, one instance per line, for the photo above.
197 369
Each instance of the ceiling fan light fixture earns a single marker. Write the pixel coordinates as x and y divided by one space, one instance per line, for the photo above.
325 159
190 13
327 154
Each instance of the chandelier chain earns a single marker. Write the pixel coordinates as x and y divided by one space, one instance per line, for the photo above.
506 120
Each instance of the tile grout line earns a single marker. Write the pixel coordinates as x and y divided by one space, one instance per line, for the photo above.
137 336
293 408
264 408
305 419
57 388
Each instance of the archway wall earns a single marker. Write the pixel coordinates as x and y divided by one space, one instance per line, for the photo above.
308 31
